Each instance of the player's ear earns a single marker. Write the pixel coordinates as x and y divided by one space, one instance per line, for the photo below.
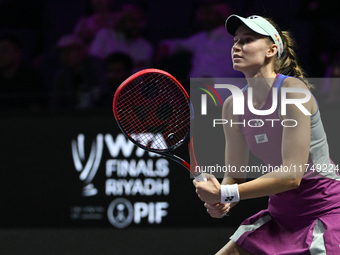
272 50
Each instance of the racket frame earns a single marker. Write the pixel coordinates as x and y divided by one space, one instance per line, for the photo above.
167 153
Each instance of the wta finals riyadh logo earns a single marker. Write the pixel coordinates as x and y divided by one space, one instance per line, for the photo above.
87 168
204 97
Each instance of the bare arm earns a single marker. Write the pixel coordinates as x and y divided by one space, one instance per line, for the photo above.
236 154
236 148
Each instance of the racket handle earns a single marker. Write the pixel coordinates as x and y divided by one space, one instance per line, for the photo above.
200 177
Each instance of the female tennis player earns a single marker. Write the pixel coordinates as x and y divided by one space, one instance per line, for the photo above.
303 214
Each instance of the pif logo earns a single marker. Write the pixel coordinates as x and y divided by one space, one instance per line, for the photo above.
121 212
239 101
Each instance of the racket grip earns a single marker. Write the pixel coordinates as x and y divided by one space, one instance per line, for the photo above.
200 177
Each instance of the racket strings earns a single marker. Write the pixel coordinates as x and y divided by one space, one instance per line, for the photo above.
161 112
160 96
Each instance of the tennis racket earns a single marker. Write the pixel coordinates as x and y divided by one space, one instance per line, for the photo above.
153 110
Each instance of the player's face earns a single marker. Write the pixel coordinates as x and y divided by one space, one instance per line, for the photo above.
249 50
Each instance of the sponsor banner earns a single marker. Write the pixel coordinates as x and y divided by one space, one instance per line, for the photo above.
76 169
135 180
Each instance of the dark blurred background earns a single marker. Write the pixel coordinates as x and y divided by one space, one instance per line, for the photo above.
70 183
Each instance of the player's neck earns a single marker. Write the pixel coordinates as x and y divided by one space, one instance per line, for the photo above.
261 83
258 77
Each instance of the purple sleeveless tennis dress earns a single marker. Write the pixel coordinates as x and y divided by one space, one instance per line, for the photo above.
305 220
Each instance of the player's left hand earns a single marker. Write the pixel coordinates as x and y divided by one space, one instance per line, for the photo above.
208 191
218 210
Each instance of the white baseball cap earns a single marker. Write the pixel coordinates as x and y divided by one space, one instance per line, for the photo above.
258 25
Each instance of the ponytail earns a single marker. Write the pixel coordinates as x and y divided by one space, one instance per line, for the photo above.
287 64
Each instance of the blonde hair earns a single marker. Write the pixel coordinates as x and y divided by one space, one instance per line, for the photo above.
287 64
